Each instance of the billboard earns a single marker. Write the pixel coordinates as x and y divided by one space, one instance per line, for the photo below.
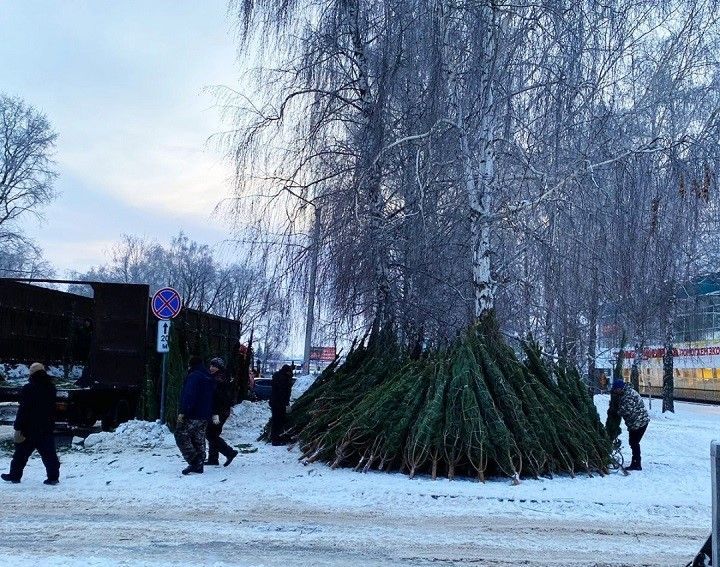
322 353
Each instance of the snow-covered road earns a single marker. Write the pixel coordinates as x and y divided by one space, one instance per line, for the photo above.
118 504
76 533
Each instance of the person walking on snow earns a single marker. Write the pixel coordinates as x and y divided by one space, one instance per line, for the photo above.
222 402
282 382
196 401
244 387
34 425
626 403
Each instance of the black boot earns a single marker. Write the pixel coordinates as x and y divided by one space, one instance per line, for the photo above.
212 463
193 469
229 459
634 465
51 481
10 478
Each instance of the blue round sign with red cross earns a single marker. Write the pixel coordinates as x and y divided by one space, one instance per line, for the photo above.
166 303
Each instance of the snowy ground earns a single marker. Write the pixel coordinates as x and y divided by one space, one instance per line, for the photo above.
123 501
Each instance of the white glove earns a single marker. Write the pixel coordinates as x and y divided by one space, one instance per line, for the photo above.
180 418
216 419
19 437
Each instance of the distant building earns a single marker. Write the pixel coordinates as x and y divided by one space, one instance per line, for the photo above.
696 344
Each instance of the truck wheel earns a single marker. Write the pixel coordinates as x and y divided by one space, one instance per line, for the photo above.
122 412
108 422
118 414
87 418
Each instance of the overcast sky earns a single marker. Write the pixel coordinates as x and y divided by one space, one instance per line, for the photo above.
124 85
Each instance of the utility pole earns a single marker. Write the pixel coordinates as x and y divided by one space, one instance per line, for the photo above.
310 320
715 468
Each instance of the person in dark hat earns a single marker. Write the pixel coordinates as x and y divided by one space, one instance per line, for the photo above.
282 382
34 425
196 401
222 403
626 403
242 389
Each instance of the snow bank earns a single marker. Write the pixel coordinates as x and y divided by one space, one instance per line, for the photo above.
74 372
302 383
248 417
19 372
14 372
132 434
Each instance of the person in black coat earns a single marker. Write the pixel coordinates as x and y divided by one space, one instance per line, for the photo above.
282 382
34 425
222 402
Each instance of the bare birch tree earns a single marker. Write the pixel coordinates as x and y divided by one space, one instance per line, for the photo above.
475 156
27 173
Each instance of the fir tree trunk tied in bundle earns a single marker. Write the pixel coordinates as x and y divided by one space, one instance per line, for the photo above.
472 409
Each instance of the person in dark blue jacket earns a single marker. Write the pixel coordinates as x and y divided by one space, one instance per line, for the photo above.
34 426
196 406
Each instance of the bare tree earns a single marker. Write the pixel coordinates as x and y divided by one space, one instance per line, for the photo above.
22 259
26 168
27 173
471 156
240 291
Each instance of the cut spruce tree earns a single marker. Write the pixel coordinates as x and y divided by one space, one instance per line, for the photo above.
472 409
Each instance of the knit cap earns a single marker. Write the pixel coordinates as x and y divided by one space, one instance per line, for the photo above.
36 367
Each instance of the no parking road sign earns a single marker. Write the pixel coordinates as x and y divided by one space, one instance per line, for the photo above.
166 303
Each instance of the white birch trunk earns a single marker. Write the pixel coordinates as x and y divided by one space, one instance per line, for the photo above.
370 167
477 179
479 198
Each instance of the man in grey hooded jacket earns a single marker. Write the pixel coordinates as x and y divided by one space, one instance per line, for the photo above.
627 403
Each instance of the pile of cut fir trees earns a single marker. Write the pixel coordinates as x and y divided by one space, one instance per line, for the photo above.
473 409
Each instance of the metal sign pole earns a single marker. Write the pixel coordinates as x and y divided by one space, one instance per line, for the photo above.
163 346
310 318
165 304
163 386
715 466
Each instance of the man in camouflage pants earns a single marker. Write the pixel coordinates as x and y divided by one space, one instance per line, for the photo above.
627 403
196 402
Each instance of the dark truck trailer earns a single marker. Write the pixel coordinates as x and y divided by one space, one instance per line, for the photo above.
51 326
112 335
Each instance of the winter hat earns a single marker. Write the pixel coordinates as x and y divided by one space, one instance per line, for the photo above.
217 362
36 367
286 368
618 384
